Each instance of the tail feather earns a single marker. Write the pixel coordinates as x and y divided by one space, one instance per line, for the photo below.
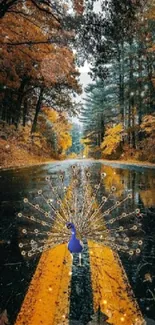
97 215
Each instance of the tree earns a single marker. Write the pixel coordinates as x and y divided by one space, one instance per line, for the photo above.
147 145
29 71
99 110
124 85
112 140
56 127
76 134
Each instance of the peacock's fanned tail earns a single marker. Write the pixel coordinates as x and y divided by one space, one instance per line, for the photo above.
100 218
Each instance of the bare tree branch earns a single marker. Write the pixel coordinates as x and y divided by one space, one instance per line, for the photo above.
45 9
45 6
31 43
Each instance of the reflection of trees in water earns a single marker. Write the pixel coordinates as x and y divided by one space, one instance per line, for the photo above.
142 272
147 190
140 269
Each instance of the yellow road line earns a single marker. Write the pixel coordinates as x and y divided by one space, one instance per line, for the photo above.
46 302
111 289
47 299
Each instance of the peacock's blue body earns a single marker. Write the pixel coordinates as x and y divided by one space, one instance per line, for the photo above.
74 245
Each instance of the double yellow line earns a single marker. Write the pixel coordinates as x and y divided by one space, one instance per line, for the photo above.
47 301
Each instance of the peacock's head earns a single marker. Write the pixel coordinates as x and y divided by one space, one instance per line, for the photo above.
70 225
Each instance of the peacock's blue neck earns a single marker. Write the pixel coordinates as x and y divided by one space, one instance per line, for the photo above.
74 244
72 229
73 232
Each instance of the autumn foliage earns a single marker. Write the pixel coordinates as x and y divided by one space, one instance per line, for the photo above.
56 128
148 143
38 68
112 139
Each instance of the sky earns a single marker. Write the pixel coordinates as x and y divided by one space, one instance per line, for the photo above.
84 77
84 81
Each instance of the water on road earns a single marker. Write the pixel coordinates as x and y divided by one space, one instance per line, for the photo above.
16 271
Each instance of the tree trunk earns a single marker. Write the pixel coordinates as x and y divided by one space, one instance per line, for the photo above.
102 128
140 92
38 107
121 80
24 111
151 88
133 129
131 99
19 99
129 124
7 104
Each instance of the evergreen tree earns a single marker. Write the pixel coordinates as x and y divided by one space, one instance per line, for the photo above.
76 134
126 94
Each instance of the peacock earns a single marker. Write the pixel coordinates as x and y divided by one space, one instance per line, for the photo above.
74 245
77 211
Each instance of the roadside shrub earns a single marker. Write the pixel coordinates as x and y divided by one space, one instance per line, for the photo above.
147 152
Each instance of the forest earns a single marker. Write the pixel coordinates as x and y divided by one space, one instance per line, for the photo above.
43 45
